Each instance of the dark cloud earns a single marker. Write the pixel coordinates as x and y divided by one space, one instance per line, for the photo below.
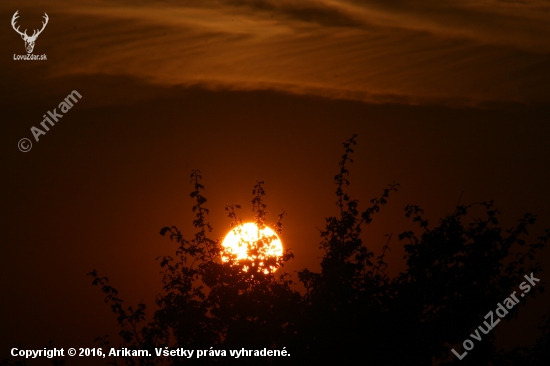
425 52
305 11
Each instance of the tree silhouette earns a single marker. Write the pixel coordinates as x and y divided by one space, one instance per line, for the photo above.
456 272
209 303
351 311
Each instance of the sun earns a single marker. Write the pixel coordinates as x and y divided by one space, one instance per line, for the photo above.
248 242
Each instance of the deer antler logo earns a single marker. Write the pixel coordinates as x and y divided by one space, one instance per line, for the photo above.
29 41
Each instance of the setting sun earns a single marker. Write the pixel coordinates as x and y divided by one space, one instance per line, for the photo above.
248 242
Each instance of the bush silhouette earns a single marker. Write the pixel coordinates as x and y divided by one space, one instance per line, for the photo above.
351 311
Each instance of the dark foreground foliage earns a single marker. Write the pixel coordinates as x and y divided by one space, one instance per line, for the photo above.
351 312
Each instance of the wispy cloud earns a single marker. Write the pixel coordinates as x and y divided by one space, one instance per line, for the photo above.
444 52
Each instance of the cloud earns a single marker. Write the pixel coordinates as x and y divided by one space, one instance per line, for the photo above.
421 52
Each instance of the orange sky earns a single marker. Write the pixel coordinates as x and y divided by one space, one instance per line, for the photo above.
446 96
445 52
